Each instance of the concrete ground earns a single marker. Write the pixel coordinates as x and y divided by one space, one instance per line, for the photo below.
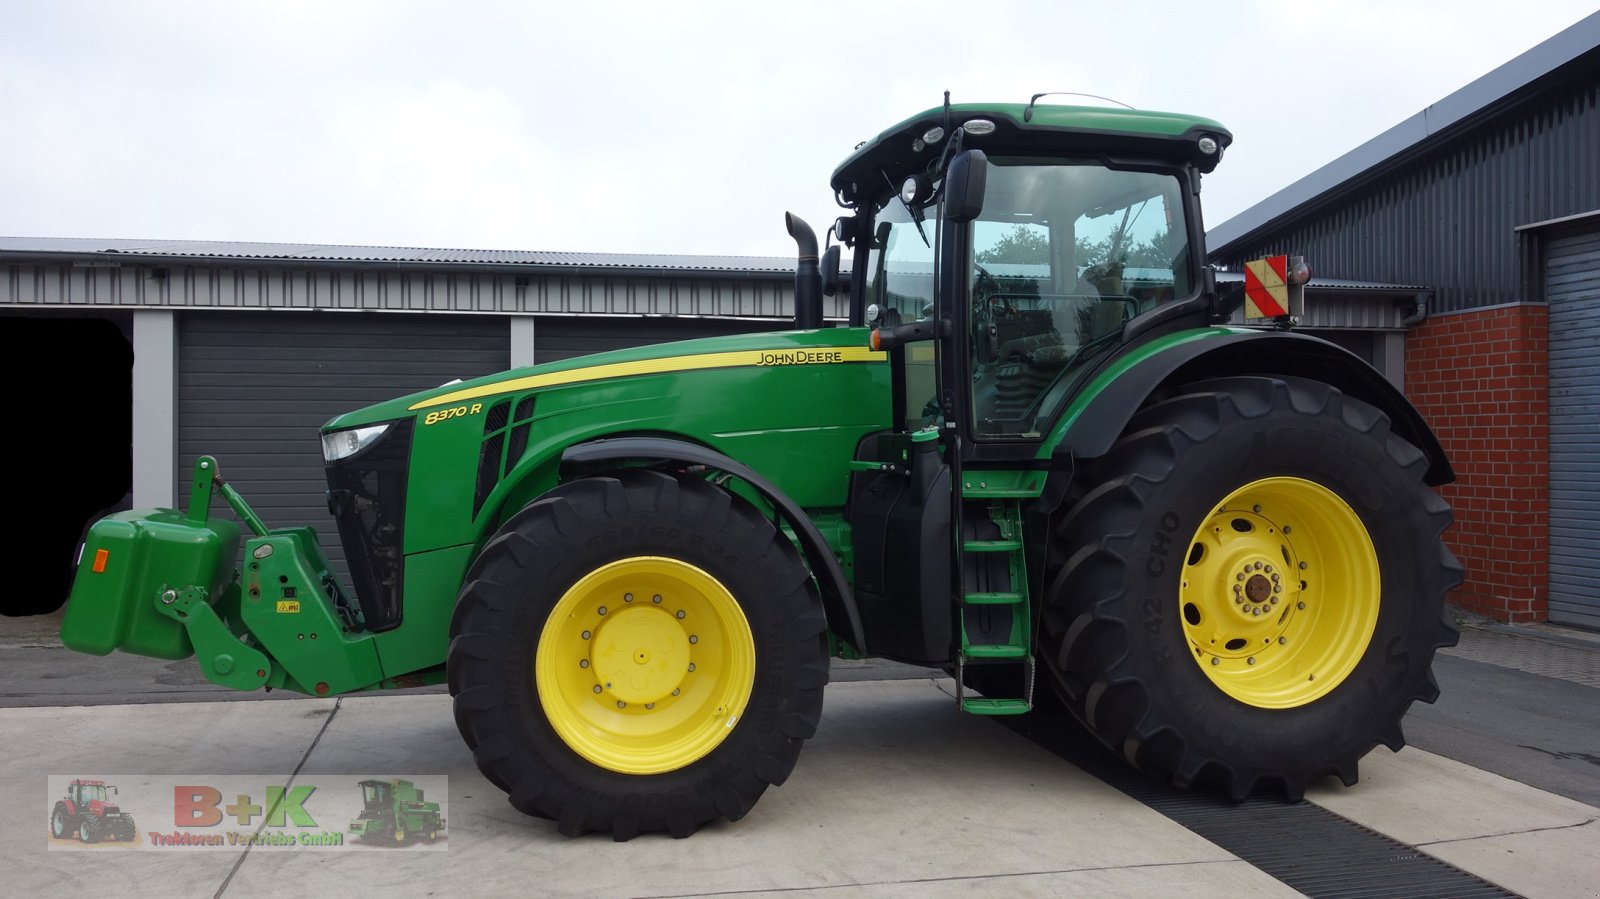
898 795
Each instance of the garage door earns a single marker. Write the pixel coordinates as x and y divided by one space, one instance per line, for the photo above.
1572 287
254 389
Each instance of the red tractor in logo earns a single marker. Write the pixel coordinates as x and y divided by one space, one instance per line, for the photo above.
88 813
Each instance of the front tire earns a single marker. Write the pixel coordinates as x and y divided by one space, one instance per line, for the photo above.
1253 591
637 653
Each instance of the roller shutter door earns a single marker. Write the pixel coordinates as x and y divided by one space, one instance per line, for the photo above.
254 389
1572 287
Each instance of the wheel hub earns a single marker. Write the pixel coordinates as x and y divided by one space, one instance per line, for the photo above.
640 655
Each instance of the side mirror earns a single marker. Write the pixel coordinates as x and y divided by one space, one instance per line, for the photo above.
830 271
964 184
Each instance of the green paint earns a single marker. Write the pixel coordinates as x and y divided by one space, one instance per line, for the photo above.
146 553
435 578
223 658
1117 369
284 606
1003 484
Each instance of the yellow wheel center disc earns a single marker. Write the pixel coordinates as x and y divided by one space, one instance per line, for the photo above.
1280 593
645 665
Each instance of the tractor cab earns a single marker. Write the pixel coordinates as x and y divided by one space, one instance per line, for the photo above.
1002 256
83 793
377 795
1016 244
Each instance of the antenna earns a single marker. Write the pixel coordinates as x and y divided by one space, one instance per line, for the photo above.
1027 114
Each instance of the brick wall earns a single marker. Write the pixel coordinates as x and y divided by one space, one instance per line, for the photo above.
1481 378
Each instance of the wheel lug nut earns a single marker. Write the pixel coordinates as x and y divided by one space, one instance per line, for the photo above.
1258 566
693 639
597 688
676 691
1256 509
1283 641
649 705
627 597
1299 605
1275 600
621 704
1216 661
1286 529
1238 599
1250 661
586 635
1239 576
1304 566
656 598
1275 578
602 610
691 666
680 614
583 663
1268 570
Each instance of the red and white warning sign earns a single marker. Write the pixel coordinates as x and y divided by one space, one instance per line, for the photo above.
1266 287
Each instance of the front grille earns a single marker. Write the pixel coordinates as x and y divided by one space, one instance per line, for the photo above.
367 496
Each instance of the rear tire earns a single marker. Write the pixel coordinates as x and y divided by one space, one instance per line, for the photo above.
61 823
1243 540
598 707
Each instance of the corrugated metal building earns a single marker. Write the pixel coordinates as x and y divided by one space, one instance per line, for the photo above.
1491 199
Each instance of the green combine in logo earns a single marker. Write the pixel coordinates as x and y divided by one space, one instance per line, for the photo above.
394 812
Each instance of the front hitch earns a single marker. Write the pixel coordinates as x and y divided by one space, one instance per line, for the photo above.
162 583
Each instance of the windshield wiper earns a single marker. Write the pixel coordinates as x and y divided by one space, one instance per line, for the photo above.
915 214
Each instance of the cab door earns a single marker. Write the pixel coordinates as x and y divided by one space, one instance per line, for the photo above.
901 502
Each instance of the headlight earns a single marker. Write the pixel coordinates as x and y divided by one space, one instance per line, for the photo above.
338 445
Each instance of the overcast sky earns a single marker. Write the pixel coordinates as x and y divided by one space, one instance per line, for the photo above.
672 127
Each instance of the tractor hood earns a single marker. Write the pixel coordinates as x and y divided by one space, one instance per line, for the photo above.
759 349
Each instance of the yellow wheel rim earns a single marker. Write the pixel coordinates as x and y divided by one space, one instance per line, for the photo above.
1280 593
645 665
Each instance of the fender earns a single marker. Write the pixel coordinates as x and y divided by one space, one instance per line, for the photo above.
838 601
1095 421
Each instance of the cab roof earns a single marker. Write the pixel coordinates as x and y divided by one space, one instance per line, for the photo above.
1050 130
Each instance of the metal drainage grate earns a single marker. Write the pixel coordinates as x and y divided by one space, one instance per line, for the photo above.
1313 850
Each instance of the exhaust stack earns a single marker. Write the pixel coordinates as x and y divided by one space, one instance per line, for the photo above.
807 274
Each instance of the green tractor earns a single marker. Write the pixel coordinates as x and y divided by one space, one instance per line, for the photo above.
1036 452
394 811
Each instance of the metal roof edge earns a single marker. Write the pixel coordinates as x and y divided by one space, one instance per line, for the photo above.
1563 220
171 253
1339 285
1565 47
